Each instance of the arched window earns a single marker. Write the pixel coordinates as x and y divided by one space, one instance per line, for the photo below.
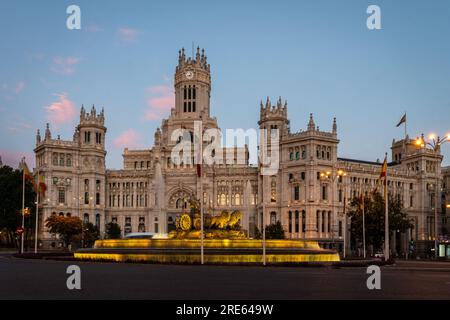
223 199
86 218
97 220
237 199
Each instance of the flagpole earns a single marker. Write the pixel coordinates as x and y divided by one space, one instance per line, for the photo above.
23 206
406 128
37 215
345 225
264 233
199 160
386 224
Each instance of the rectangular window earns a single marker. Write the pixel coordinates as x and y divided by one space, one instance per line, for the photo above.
340 229
86 198
290 221
297 222
296 193
324 193
61 196
317 220
303 221
97 198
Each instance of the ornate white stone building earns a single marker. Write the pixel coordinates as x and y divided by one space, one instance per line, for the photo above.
306 194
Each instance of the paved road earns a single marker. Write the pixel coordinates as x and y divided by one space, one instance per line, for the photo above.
30 279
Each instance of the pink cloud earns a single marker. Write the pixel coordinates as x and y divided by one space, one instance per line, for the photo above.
19 87
128 139
127 34
65 66
61 111
92 28
19 127
162 99
12 157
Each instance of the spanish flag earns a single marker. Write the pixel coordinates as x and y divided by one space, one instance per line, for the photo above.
40 185
26 172
383 173
361 201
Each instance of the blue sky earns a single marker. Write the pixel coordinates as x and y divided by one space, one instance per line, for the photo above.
318 55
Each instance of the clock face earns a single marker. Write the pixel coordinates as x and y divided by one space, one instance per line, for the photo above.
189 74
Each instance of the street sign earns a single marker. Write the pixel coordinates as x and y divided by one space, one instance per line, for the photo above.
19 230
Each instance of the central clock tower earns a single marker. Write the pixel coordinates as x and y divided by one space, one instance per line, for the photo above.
192 86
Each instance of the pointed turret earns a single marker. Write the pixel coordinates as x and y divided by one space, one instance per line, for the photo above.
268 104
157 137
48 134
197 55
311 124
38 137
334 126
82 113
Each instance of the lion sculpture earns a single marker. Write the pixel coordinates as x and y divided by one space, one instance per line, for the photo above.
226 220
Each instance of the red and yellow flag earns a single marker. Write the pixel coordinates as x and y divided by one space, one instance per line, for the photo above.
40 185
383 173
361 202
26 172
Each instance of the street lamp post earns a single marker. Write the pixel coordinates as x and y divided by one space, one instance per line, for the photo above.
435 142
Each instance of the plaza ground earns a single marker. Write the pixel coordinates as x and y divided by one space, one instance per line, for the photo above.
46 279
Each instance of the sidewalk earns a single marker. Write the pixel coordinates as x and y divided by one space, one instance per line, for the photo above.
420 265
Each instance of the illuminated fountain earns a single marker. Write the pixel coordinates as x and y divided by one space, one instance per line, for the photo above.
224 243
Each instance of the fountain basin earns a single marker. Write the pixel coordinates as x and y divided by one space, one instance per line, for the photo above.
216 251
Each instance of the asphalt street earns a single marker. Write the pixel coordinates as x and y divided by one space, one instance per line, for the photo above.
46 279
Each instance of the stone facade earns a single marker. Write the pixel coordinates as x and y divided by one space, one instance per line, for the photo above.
306 193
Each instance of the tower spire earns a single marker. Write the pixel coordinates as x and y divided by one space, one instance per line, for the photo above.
311 124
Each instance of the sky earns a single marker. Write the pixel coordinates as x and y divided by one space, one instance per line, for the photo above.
319 55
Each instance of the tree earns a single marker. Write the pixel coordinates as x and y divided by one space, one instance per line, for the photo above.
275 231
258 234
113 231
11 204
90 234
374 207
66 227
